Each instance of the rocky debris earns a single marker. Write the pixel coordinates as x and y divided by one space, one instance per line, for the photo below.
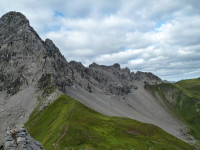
16 108
89 88
19 139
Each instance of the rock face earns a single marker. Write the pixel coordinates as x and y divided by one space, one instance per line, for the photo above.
19 139
109 79
25 59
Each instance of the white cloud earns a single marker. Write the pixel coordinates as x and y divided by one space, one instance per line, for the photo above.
137 62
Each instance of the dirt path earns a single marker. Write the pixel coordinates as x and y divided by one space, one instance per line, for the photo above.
61 136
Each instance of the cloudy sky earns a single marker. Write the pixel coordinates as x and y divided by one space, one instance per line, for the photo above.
162 36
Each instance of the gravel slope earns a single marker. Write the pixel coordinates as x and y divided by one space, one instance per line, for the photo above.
15 109
139 105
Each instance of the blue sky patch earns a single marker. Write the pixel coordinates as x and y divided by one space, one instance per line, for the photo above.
159 24
57 13
54 28
125 48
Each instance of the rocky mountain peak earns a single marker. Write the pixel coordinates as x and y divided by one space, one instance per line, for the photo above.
24 57
147 76
13 18
93 65
52 50
14 24
116 65
49 43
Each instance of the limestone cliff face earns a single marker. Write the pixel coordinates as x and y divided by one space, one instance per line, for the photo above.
110 79
25 58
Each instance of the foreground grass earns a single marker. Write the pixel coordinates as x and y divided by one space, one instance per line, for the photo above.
183 98
68 124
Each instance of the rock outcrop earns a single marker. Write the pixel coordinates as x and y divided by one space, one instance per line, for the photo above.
110 79
25 58
19 139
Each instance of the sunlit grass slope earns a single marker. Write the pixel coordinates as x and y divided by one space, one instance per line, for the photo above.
68 124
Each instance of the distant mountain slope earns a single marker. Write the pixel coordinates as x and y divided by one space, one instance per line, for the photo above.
66 123
183 98
191 87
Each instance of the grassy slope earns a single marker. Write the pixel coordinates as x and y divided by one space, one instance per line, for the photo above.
186 101
67 124
190 87
191 109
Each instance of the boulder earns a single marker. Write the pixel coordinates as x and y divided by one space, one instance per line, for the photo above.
19 139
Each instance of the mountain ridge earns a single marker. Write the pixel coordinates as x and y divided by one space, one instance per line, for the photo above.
46 54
